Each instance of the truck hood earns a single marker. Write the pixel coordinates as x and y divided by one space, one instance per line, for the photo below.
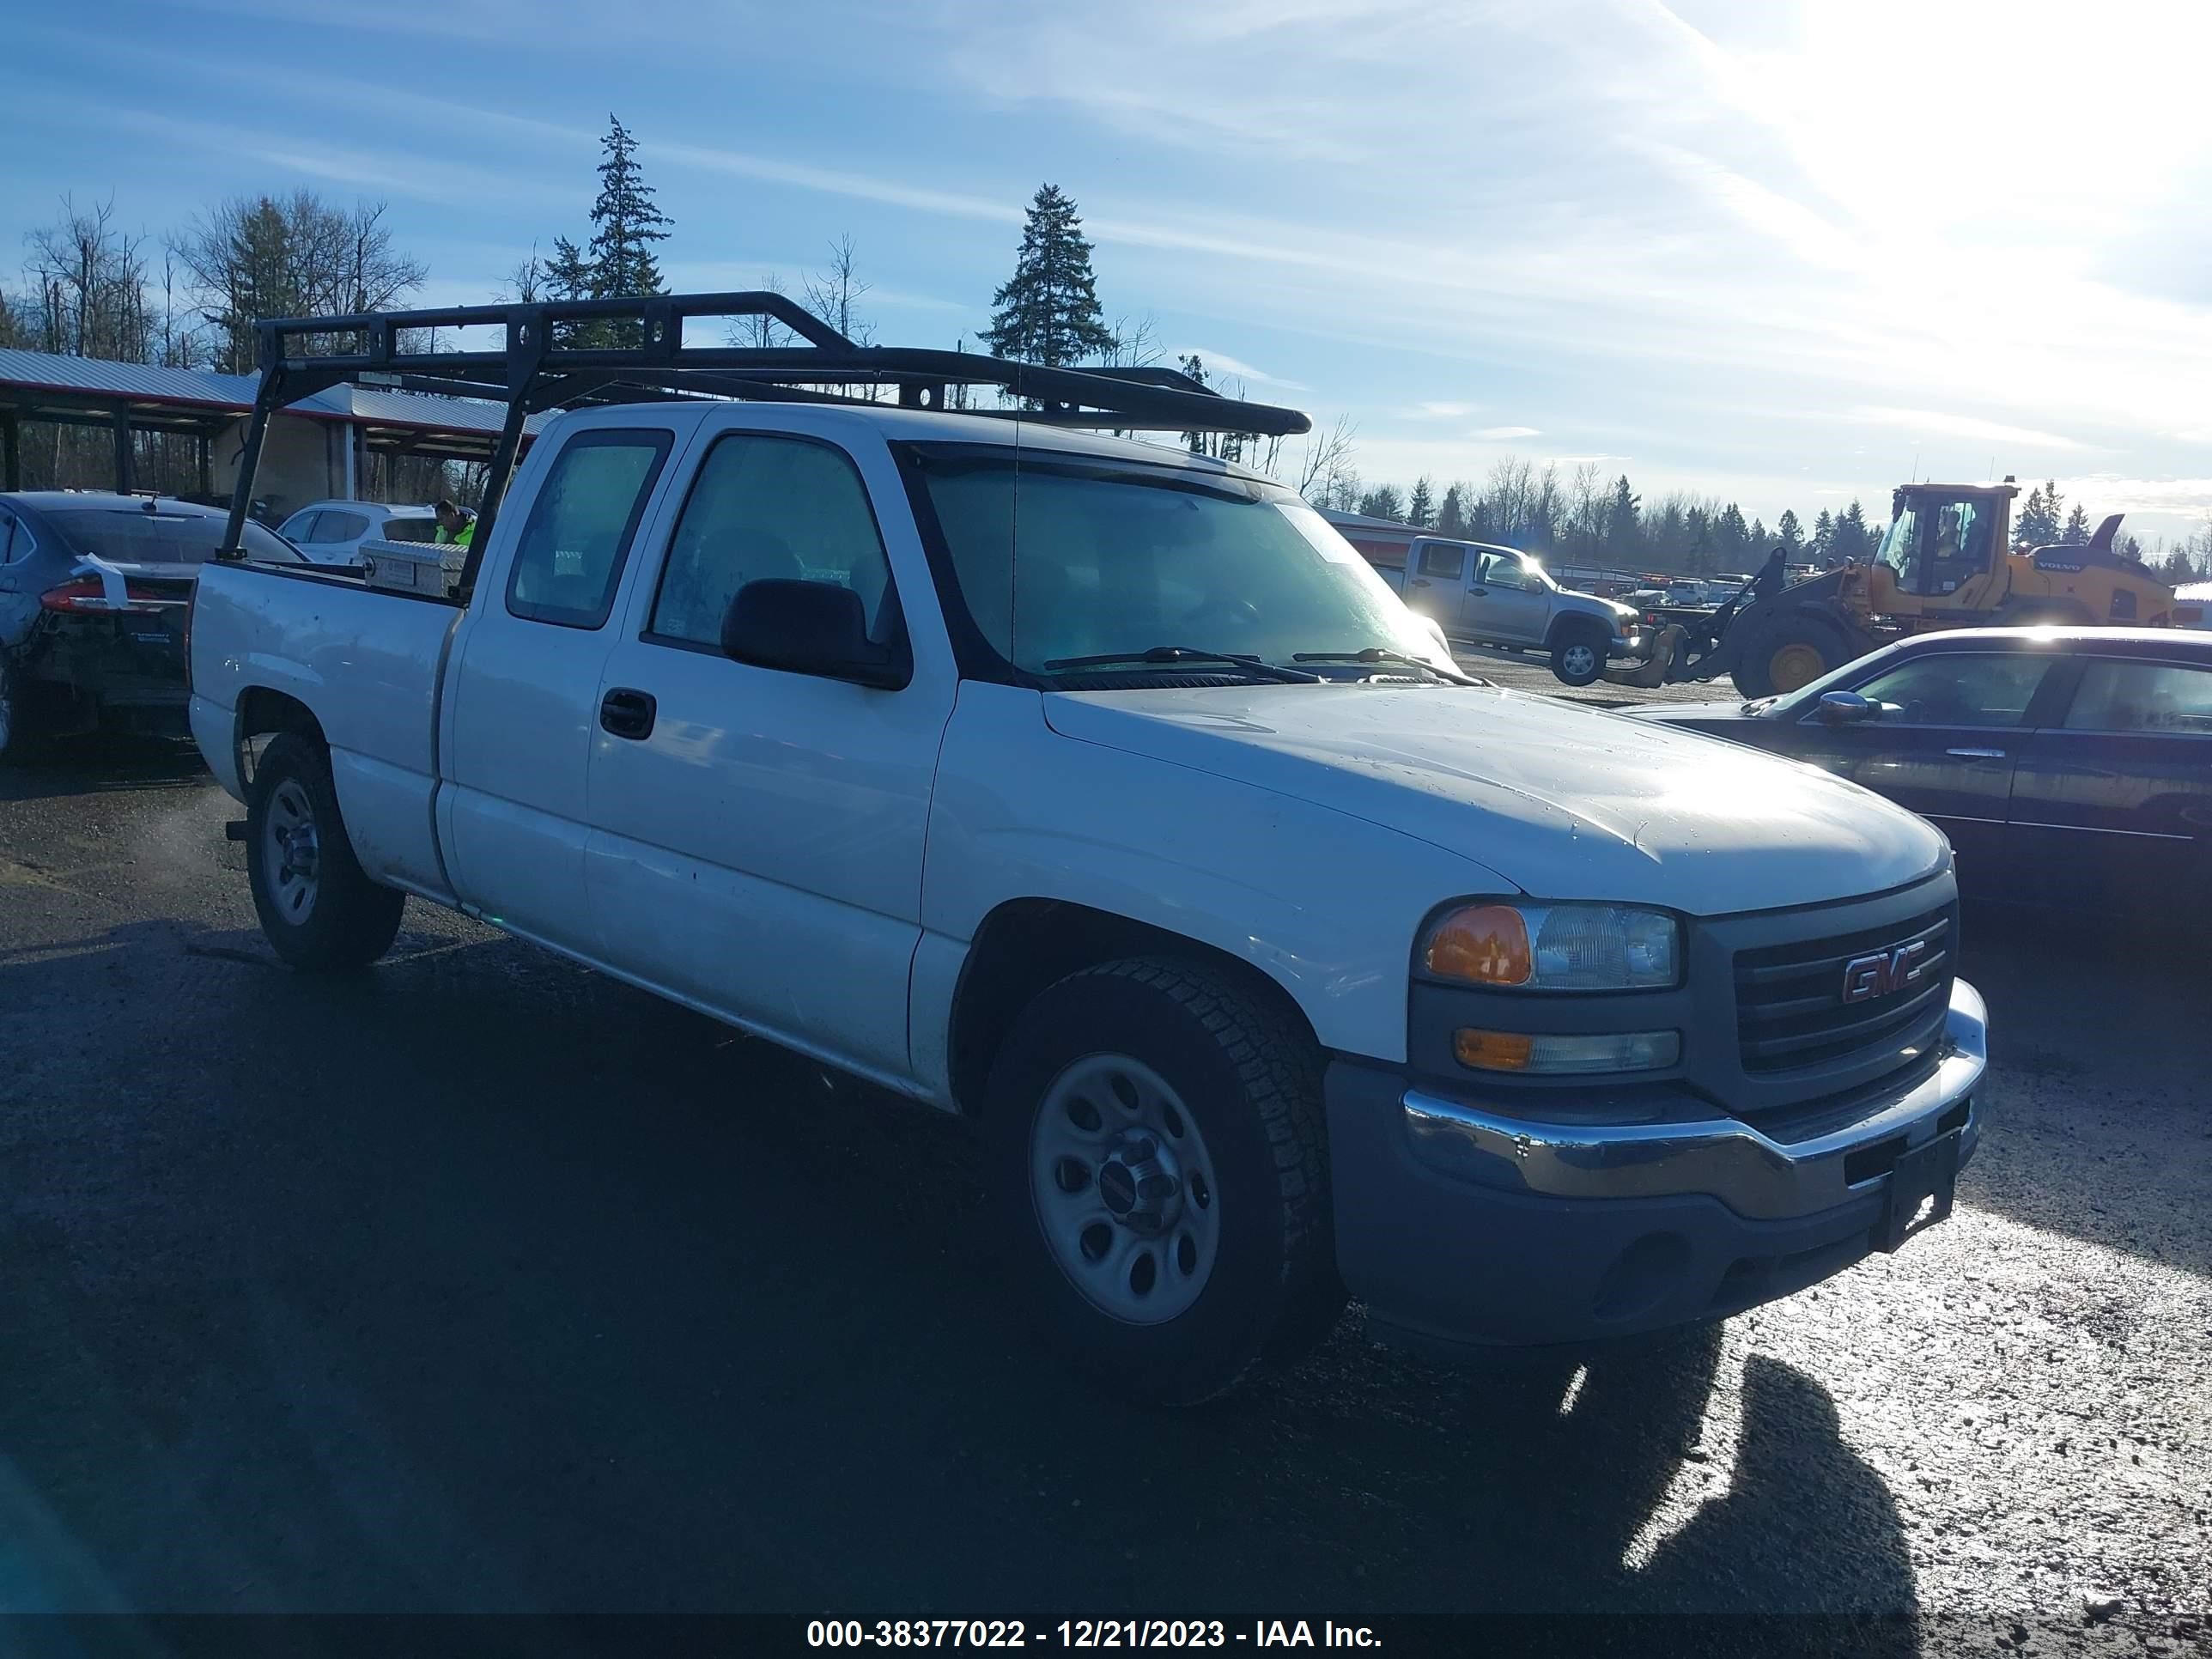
1563 801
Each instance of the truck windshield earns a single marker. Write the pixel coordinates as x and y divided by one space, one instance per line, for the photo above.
1062 557
1900 547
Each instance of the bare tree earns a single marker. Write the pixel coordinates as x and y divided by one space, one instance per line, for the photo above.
1326 472
831 294
1136 345
90 279
528 283
762 332
259 257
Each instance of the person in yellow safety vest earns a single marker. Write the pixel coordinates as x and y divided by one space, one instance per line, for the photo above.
456 525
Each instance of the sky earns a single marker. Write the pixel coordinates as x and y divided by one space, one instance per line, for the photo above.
1785 252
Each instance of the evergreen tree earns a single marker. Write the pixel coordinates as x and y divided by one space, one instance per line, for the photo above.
1731 537
1848 539
1623 523
1047 311
568 276
1420 511
1790 534
1824 535
2076 532
1452 513
2037 524
1760 541
625 224
1196 369
1382 502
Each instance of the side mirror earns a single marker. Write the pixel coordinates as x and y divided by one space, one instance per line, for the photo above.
811 628
1846 708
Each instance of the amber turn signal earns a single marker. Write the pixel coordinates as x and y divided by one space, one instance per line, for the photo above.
1492 1051
1484 944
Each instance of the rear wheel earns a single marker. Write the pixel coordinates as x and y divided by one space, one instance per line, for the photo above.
1161 1176
318 910
1793 650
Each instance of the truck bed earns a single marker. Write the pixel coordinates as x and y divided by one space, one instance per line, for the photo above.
365 662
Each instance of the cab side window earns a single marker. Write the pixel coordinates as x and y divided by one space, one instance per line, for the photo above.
569 559
1505 570
1443 560
770 508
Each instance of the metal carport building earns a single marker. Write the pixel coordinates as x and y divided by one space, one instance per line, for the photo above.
316 446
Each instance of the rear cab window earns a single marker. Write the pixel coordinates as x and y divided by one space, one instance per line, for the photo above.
1443 560
768 507
570 557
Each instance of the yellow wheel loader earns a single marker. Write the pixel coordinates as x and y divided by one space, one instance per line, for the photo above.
1945 561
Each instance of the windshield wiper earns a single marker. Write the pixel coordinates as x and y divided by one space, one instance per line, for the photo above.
1170 655
1376 653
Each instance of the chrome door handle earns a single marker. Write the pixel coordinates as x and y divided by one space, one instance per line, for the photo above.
1977 754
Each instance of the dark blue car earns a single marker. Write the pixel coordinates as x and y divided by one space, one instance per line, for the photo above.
94 590
2068 766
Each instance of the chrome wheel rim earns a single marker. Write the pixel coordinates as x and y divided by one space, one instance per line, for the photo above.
1578 660
1124 1190
291 852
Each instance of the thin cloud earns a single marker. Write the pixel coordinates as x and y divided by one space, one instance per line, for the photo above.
1218 363
1961 426
1498 434
1442 411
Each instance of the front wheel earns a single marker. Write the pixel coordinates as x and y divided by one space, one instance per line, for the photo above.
1161 1176
318 909
1578 660
1790 652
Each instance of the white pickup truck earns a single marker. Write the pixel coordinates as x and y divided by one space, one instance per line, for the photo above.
1102 794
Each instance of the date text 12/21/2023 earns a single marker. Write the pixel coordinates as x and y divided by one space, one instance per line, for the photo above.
1084 1633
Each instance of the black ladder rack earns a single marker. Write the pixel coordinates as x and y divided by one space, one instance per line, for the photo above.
530 372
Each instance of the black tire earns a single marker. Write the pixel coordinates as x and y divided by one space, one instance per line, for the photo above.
1786 639
347 920
1578 655
1249 1078
20 736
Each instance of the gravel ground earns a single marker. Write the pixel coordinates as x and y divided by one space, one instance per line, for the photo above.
483 1282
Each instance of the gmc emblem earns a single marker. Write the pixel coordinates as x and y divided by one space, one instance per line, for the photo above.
1884 973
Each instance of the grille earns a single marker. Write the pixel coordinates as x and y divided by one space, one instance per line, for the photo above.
1790 1012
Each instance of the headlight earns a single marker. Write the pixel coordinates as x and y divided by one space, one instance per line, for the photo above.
1557 947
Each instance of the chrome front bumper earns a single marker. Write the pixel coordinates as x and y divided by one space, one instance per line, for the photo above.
1811 1161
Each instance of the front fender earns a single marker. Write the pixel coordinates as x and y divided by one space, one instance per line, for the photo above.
1325 904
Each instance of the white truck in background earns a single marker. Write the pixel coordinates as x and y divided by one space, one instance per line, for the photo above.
1101 794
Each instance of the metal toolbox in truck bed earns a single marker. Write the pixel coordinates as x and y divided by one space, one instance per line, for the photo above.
413 567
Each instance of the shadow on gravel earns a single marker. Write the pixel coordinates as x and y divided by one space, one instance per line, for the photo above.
2100 1113
479 1282
99 763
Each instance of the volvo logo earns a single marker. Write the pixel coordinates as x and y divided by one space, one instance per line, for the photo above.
1884 973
